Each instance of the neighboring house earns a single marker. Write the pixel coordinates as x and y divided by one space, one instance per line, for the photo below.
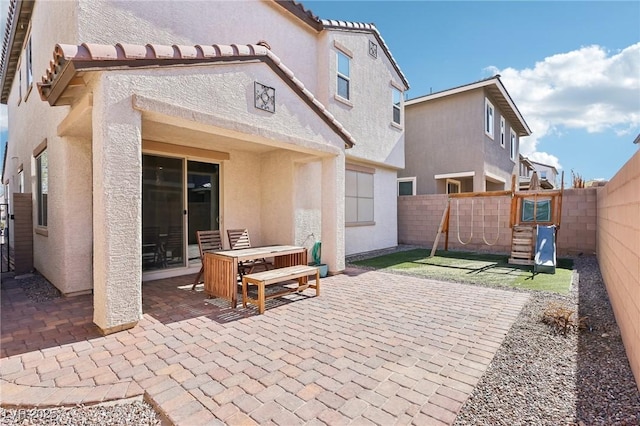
547 174
463 139
526 170
156 119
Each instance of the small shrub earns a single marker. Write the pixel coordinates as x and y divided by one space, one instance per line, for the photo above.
562 318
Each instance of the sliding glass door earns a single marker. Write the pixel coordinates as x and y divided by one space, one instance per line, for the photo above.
179 197
203 193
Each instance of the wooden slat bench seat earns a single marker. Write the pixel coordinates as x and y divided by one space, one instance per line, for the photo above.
274 276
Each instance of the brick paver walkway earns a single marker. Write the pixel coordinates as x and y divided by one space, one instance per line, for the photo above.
374 348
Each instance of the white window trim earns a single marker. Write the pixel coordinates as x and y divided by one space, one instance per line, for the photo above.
395 107
340 75
407 179
512 145
503 133
490 131
454 175
494 178
28 65
454 182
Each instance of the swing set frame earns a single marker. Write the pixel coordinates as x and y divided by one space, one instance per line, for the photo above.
515 218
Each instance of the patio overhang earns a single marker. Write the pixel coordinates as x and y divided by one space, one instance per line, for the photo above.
67 79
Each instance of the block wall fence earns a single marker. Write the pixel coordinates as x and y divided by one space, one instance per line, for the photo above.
602 221
618 249
419 218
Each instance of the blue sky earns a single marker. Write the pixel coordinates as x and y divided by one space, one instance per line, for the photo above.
572 68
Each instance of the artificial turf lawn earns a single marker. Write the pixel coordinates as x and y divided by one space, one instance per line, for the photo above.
480 268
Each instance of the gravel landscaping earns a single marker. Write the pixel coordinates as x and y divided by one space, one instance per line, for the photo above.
539 376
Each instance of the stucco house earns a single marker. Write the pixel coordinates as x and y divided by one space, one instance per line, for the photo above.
526 170
130 120
546 173
464 139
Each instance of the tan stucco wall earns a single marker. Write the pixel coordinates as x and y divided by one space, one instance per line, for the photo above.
384 233
619 253
446 135
60 253
379 142
369 120
217 100
190 22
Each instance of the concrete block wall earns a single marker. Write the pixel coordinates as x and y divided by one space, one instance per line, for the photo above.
577 232
618 248
419 218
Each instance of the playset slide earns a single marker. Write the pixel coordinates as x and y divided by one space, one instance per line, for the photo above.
545 257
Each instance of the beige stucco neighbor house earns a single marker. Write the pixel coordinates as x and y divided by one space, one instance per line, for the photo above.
462 140
526 170
133 122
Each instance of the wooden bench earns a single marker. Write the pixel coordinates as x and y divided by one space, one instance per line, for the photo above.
273 276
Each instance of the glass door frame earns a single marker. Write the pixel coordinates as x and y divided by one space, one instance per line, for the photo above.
186 268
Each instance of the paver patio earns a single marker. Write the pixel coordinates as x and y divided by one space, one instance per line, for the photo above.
374 348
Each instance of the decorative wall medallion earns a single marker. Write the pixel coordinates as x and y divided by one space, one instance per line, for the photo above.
265 97
373 49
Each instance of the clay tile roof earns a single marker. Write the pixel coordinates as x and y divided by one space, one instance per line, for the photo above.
71 59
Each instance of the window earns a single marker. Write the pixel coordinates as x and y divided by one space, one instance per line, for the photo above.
29 65
502 129
543 174
488 118
358 197
453 186
42 170
512 153
542 211
397 100
21 181
343 75
407 186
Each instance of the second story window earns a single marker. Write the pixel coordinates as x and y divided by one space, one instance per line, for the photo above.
344 67
502 131
397 100
29 64
512 152
543 175
488 118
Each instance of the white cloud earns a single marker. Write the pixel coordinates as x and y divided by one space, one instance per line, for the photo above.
589 88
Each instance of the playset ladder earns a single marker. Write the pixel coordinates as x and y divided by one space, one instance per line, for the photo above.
522 245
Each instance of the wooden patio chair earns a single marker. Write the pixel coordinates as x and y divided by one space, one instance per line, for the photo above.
208 242
150 246
239 239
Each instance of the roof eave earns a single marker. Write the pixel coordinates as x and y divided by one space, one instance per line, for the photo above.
52 91
522 126
12 46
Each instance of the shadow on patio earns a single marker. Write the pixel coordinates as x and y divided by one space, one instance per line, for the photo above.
31 324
